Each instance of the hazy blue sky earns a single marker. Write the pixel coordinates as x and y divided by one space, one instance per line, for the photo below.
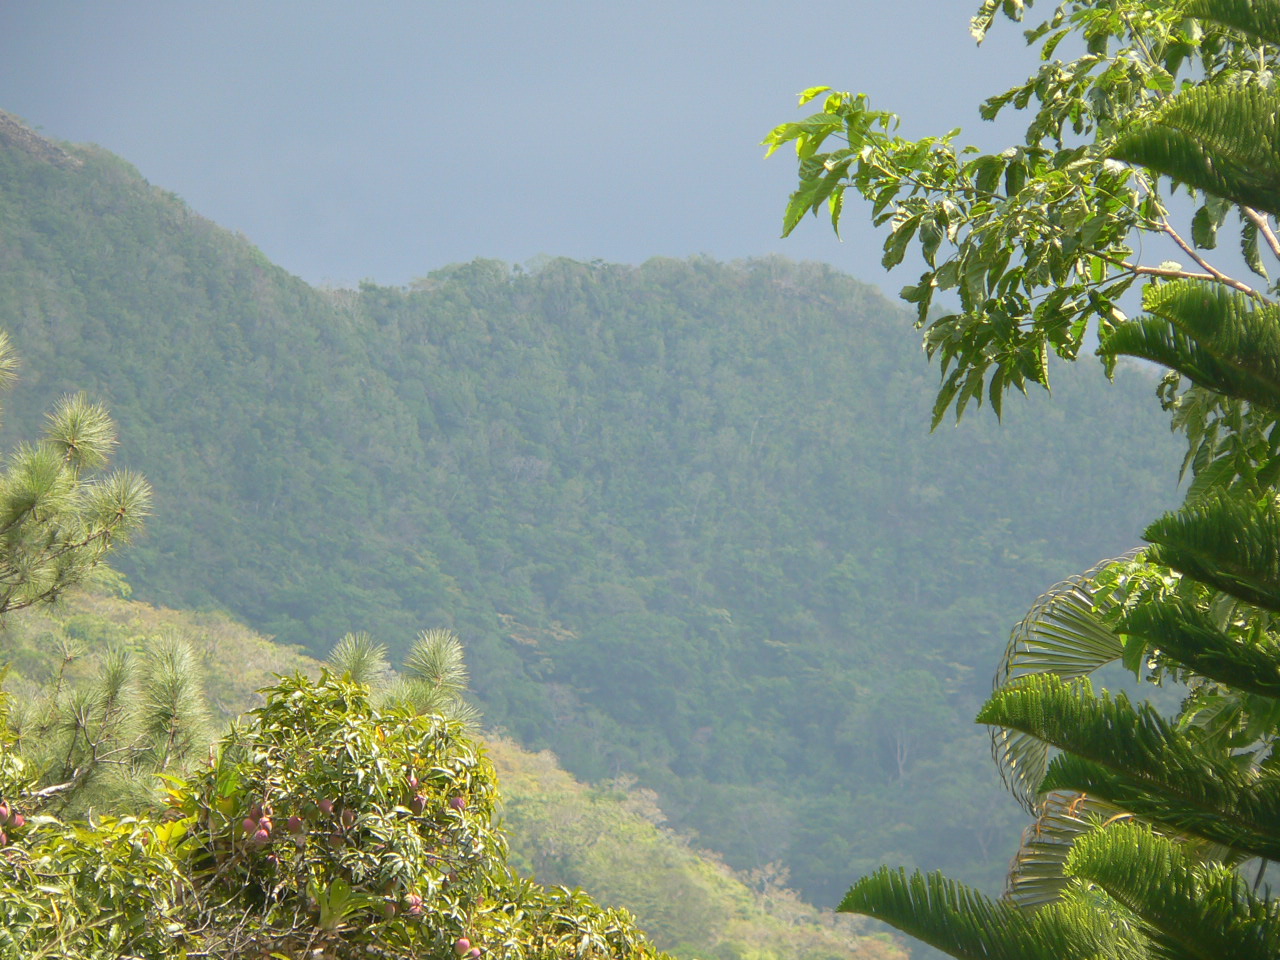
386 139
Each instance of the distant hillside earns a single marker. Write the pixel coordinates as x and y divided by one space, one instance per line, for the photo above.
608 841
687 515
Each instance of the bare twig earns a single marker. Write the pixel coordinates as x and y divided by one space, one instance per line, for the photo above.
1264 227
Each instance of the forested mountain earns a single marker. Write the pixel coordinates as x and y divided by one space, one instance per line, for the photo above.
685 515
608 839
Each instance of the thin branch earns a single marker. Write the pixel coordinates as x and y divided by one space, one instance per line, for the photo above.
1264 227
1214 273
1143 271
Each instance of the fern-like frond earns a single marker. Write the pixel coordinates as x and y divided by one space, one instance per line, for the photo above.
1259 20
962 922
1224 540
1188 636
1219 338
1139 762
1224 140
1203 911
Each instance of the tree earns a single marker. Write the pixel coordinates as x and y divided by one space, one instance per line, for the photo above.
1142 821
59 517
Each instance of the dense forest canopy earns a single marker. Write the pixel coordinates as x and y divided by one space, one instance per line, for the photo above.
686 515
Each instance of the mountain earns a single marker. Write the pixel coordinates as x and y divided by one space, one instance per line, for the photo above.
609 840
686 515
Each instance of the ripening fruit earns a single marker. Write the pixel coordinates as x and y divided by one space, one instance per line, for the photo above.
463 946
17 820
475 953
255 811
261 838
3 838
4 811
388 909
250 825
413 782
458 803
294 825
265 824
326 807
348 818
413 905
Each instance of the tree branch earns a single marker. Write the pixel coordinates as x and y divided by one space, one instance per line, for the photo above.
1213 272
1264 227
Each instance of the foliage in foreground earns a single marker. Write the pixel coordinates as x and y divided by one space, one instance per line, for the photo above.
325 829
1143 822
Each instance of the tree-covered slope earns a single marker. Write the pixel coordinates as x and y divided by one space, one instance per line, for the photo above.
608 840
685 515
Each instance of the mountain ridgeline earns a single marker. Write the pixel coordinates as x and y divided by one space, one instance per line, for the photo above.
687 516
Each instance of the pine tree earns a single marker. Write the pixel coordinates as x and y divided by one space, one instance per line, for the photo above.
1143 823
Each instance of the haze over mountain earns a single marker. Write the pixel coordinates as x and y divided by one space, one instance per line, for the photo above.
686 515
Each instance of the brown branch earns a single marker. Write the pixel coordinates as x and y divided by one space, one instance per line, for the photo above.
1142 271
1213 272
1264 227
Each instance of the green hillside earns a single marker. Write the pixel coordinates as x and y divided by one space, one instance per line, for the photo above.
608 841
685 514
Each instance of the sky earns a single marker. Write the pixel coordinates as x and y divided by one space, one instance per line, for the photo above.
386 139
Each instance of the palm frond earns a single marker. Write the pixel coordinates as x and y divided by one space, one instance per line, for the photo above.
1224 140
1037 874
1065 634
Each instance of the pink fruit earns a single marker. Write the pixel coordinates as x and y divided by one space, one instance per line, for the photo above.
249 824
414 905
261 838
3 838
255 811
4 811
294 825
265 824
17 820
348 818
463 946
388 910
475 952
326 807
458 803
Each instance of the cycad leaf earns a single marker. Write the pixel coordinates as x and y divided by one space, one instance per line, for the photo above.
1203 911
1223 140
